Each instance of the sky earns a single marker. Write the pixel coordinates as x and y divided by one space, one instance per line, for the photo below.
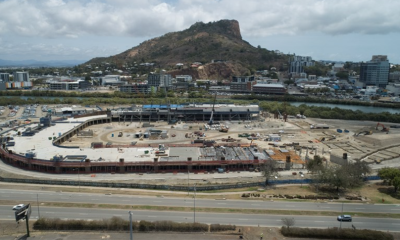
338 30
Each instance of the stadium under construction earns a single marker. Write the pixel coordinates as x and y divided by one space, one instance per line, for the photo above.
47 147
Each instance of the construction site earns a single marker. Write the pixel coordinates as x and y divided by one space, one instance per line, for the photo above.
161 138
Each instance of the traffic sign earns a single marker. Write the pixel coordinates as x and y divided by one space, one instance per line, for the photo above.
23 212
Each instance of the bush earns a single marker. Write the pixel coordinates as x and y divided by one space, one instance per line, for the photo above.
335 233
145 226
220 228
113 224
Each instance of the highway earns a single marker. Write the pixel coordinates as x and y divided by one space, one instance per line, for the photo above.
48 196
221 218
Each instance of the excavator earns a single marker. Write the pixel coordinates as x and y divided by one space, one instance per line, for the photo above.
384 129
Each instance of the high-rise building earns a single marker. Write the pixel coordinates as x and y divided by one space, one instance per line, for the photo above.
21 77
375 72
297 64
160 80
4 77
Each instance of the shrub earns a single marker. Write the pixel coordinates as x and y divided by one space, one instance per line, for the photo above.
219 227
119 224
335 233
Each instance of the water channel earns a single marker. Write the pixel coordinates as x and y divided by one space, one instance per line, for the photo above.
366 109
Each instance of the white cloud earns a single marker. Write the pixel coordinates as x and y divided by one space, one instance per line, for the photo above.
57 18
69 21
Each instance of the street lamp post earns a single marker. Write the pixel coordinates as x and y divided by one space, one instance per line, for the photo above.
37 201
130 225
342 217
194 205
188 183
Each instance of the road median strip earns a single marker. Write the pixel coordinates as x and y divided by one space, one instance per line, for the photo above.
209 210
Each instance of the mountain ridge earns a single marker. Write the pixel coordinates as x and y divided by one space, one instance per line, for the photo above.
36 63
201 42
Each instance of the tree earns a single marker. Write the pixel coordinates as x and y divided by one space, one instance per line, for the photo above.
269 169
345 176
396 183
288 222
392 176
315 165
342 75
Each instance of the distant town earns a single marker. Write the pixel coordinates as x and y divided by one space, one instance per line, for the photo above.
363 81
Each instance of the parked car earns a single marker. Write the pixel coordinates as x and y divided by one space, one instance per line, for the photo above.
19 206
344 218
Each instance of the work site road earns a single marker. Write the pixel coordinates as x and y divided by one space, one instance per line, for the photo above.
262 220
48 196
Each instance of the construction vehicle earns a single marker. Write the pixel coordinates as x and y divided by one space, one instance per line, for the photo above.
377 161
224 129
364 133
384 129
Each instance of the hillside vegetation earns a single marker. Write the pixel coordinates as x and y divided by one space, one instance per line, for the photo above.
202 42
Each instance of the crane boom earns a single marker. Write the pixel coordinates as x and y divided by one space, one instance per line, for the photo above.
212 110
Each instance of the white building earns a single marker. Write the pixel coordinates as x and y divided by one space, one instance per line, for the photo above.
111 80
297 64
183 78
21 77
394 88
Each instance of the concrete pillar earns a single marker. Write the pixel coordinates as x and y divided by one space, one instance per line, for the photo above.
287 164
121 165
189 166
155 164
87 166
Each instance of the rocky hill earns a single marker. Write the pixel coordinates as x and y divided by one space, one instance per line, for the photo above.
202 42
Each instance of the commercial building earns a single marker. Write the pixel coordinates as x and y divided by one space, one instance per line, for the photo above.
269 88
135 88
160 80
242 83
183 78
394 88
21 76
375 72
297 64
393 76
111 80
5 77
64 85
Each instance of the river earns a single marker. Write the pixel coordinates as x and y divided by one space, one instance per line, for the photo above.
366 109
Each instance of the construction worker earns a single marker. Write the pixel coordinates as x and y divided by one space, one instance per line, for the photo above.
261 236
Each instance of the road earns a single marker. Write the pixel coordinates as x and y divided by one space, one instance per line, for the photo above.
221 218
47 196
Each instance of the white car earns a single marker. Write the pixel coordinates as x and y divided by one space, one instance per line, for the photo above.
19 206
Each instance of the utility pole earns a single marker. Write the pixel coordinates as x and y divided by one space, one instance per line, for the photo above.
130 225
194 205
37 201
